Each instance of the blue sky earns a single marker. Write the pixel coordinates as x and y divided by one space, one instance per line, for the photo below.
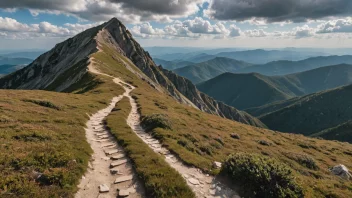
40 24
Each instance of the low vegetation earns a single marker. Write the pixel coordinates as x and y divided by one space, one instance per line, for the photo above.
159 178
261 176
42 147
43 103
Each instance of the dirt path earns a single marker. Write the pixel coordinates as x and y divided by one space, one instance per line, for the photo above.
110 173
203 185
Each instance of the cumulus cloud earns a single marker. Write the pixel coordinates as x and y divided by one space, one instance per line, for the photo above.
188 28
278 10
132 11
11 28
256 33
336 26
234 31
304 31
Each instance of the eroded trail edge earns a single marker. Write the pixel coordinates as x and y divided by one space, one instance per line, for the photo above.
203 185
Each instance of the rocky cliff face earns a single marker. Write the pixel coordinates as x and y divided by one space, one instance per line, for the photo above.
67 62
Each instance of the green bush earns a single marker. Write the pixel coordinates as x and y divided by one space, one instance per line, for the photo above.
154 121
260 176
303 160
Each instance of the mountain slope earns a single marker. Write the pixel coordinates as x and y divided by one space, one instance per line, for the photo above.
285 67
66 65
342 132
252 90
209 69
171 65
312 113
6 69
245 90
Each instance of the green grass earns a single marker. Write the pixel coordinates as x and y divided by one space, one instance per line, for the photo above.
159 178
43 132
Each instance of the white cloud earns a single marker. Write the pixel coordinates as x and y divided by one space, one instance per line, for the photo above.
336 26
12 29
256 33
234 31
304 31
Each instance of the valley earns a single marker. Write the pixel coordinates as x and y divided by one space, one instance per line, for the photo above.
245 91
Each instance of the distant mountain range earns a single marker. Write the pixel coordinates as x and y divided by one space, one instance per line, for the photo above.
172 65
324 114
14 61
200 72
252 90
258 56
284 67
30 54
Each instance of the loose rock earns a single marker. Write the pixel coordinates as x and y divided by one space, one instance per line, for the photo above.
103 188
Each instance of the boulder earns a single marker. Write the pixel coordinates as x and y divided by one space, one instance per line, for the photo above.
235 136
217 165
341 171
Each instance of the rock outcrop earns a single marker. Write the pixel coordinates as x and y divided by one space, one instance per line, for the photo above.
66 64
58 68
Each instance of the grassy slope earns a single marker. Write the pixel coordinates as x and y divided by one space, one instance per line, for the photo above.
342 132
150 166
200 138
254 90
310 114
209 69
44 132
245 90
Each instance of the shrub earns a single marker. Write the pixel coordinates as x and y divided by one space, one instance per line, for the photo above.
303 160
153 121
43 104
261 176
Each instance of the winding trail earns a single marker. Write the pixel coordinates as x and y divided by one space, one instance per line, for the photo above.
203 185
110 174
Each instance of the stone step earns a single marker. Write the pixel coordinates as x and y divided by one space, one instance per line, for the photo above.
102 140
123 179
110 152
117 157
127 192
103 136
115 171
118 163
107 145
